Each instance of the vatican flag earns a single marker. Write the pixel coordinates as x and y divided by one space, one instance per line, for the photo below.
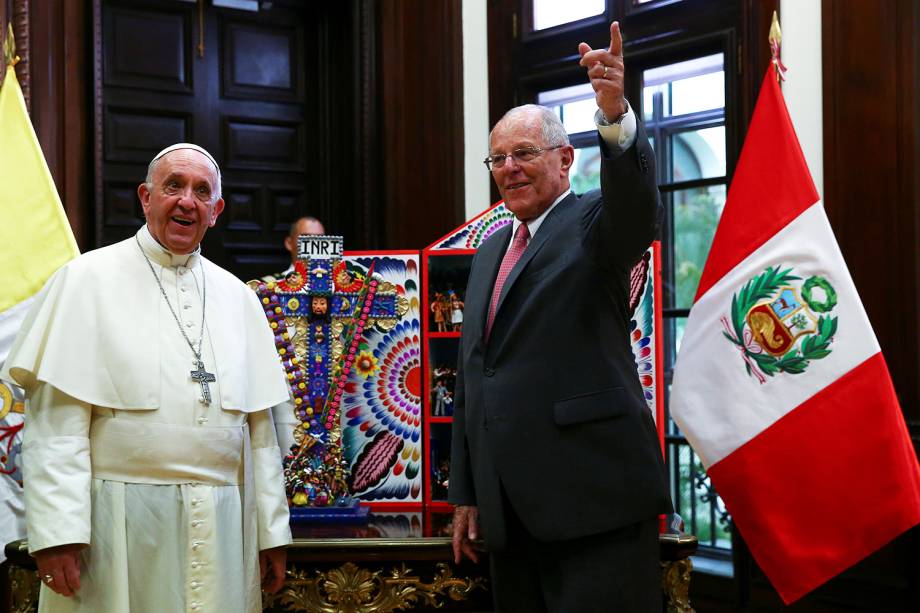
35 236
35 240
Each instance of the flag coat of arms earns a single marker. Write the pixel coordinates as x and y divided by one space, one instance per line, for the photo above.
780 385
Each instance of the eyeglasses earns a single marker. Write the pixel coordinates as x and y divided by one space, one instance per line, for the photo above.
524 154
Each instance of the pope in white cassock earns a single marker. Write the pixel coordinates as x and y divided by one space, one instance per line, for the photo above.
152 472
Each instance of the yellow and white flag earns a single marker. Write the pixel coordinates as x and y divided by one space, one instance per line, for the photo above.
35 240
35 236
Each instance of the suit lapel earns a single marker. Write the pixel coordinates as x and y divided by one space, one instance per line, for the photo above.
547 230
479 290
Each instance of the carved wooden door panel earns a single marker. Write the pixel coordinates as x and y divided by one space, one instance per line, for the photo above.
233 81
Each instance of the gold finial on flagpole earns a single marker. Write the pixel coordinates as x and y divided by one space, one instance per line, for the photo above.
776 40
9 47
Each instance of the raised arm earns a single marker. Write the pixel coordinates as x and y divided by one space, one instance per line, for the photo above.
606 72
623 228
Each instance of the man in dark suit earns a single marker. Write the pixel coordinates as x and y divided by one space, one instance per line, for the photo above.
554 453
304 225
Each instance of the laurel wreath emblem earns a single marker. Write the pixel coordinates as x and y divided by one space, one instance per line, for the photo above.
814 347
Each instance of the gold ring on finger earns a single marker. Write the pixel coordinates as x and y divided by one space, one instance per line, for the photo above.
606 68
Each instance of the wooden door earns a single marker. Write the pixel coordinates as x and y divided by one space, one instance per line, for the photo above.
235 82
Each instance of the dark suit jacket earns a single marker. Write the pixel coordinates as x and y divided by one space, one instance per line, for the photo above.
551 409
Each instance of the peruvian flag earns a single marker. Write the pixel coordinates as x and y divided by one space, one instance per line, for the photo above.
780 385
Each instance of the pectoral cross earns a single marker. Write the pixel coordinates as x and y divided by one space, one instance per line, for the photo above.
203 377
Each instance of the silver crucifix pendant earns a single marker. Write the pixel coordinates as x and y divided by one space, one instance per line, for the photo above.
203 377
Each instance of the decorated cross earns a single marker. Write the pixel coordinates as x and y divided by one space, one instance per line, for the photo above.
318 314
203 377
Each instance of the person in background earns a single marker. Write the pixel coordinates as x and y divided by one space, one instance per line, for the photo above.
304 225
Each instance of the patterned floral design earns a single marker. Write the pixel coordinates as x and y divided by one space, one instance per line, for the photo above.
383 412
473 234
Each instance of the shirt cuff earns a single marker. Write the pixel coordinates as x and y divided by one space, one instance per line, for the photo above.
618 136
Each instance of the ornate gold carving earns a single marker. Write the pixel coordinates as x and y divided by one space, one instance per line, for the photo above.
352 589
300 327
299 434
386 324
386 287
675 581
24 587
336 349
402 305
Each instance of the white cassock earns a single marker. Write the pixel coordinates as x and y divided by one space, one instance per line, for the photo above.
174 497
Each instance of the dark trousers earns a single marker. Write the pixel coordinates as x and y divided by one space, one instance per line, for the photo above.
611 572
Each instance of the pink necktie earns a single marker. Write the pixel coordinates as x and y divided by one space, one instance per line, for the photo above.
511 257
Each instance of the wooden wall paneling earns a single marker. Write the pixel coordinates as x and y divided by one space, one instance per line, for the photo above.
871 178
5 18
76 117
343 127
369 207
57 43
21 32
47 83
394 137
98 188
503 23
421 119
907 222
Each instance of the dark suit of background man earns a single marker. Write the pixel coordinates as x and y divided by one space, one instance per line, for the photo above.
554 451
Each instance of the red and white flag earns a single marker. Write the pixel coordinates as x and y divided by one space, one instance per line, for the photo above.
780 385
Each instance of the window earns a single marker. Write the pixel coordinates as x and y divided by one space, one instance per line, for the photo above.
575 106
683 107
550 13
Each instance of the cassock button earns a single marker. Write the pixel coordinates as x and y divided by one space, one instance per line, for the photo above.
489 372
202 420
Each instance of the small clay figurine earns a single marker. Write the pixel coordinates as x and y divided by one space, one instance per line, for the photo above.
440 396
456 313
437 308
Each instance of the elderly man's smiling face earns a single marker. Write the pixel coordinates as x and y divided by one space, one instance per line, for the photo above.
528 188
181 202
